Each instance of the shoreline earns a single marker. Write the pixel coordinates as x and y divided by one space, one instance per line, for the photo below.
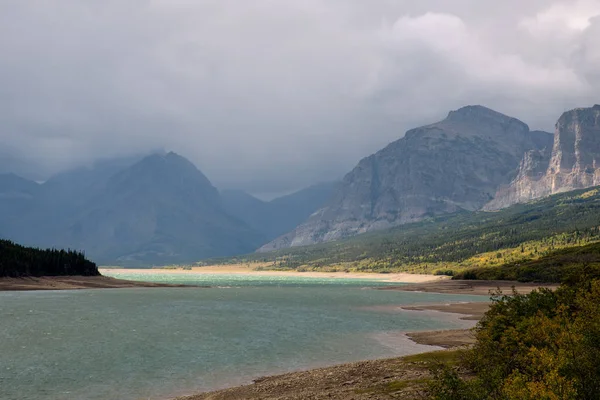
401 377
240 269
31 283
474 287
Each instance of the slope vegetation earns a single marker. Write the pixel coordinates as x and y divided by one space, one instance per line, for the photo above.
559 266
455 242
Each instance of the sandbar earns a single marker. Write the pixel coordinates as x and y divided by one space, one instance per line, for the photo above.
244 269
72 283
470 287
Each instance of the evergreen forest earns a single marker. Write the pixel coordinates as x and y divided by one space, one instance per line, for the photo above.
19 261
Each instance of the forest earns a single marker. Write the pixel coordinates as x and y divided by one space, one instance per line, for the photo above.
19 261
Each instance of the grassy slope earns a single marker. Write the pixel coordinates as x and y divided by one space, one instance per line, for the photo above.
558 266
454 242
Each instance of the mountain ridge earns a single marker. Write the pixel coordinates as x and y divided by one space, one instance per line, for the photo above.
455 164
573 162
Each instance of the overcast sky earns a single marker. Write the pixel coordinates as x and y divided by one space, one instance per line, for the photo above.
272 95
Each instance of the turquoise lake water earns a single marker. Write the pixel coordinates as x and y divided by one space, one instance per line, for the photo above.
156 343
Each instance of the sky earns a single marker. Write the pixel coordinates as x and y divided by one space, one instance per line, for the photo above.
269 96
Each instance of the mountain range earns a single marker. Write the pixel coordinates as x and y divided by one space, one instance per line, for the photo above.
455 164
160 209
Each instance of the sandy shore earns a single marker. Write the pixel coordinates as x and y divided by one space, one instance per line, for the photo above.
72 282
449 338
470 287
245 269
472 311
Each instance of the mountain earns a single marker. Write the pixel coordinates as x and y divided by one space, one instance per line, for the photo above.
13 187
276 217
455 164
573 162
60 197
77 184
158 210
16 197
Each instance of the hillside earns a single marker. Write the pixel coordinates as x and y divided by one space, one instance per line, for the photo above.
16 197
558 266
278 216
20 261
456 241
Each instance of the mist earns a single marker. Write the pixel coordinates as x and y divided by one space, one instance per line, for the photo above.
270 96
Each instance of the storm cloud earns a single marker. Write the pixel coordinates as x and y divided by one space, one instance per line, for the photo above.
270 95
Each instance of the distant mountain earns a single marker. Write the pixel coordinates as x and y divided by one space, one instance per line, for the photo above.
17 196
15 187
573 162
276 217
77 184
158 210
456 164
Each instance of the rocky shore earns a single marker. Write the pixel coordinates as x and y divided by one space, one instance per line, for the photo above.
403 378
72 282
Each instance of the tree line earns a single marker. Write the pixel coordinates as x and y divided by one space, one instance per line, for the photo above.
19 261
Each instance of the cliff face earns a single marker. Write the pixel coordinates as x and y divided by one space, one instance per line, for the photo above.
574 162
455 164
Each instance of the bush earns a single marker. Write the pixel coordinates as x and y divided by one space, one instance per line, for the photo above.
544 345
446 272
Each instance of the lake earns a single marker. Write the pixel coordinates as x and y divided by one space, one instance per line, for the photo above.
156 343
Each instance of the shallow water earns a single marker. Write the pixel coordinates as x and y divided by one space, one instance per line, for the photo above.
160 342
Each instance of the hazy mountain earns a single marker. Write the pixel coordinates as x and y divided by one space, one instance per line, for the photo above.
17 196
15 187
158 210
572 163
77 184
456 164
59 199
276 217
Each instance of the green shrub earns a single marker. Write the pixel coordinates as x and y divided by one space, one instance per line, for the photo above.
543 345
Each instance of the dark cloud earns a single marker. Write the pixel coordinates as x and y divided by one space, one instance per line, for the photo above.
269 95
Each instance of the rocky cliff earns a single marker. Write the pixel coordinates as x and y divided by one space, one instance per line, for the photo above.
455 164
573 163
